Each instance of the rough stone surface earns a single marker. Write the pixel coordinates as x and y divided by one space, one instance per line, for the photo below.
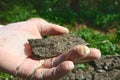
55 45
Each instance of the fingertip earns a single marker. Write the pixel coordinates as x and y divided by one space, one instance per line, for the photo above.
94 54
67 66
66 30
63 68
99 53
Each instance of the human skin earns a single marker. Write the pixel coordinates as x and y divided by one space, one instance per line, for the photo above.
15 50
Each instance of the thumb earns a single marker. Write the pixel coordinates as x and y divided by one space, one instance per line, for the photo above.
46 28
56 29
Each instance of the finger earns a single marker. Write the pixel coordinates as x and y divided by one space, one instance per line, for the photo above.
1 26
94 54
75 54
38 27
56 72
56 29
53 29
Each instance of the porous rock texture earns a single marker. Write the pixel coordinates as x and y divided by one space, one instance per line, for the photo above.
54 45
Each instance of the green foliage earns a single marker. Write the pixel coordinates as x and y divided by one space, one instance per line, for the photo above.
106 20
4 75
105 42
118 36
81 66
17 10
18 14
99 13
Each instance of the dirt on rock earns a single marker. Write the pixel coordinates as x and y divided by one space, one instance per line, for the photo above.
54 45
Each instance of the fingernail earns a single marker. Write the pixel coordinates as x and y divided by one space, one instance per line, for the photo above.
84 50
67 31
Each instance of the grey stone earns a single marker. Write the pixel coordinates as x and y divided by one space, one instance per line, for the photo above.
54 45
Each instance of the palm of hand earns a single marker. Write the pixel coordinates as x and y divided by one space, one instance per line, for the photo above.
14 41
14 47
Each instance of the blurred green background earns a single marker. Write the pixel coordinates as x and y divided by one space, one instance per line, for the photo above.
99 13
96 21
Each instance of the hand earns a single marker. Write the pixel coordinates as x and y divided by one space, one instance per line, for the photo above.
15 52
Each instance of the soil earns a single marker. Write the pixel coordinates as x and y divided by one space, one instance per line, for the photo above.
107 68
54 46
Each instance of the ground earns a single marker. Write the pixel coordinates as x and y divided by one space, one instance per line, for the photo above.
107 68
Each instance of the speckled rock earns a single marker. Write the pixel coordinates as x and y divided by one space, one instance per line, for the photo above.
54 45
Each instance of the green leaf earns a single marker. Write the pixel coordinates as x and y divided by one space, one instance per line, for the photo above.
81 66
